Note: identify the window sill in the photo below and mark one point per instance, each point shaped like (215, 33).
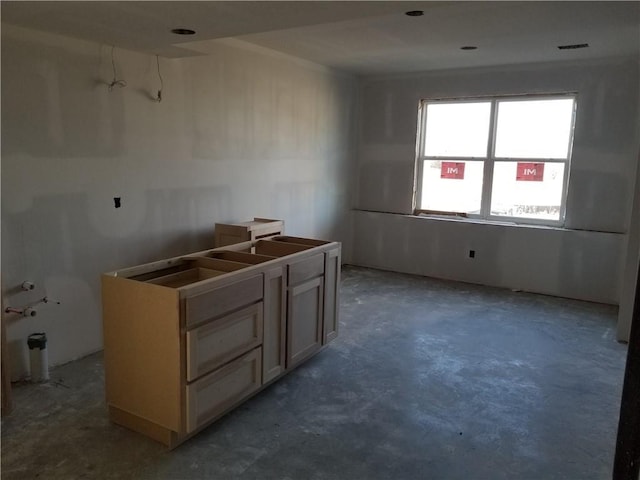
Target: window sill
(498, 223)
(491, 222)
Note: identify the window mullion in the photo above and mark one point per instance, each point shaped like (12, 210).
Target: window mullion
(487, 178)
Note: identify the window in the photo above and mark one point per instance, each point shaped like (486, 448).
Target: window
(501, 158)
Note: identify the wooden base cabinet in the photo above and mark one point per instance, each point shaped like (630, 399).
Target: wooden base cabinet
(189, 338)
(230, 233)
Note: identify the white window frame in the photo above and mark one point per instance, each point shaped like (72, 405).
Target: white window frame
(491, 159)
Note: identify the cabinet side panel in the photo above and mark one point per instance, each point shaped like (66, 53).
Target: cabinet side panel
(142, 350)
(229, 234)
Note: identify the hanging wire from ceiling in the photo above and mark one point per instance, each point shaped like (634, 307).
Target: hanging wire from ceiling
(115, 82)
(159, 96)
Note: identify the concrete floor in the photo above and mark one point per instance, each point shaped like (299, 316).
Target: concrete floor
(428, 379)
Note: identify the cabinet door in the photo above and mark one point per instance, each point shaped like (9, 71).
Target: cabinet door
(304, 322)
(273, 347)
(331, 295)
(229, 234)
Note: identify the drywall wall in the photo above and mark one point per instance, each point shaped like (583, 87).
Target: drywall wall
(584, 260)
(531, 259)
(238, 134)
(630, 272)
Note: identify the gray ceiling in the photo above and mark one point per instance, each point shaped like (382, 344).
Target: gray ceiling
(363, 37)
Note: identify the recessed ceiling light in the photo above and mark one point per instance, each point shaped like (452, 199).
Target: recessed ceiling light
(468, 47)
(573, 47)
(415, 13)
(183, 31)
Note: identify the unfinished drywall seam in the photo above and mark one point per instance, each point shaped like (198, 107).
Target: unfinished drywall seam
(94, 180)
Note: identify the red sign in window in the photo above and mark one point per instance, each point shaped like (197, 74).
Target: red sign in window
(530, 172)
(452, 170)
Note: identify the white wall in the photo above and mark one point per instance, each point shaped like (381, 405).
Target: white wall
(583, 261)
(630, 272)
(237, 135)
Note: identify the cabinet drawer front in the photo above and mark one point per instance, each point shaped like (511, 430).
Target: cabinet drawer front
(223, 299)
(306, 269)
(216, 393)
(215, 343)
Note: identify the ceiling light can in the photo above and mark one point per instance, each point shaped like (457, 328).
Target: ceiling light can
(183, 31)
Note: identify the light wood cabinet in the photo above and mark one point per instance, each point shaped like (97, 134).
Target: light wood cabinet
(231, 233)
(189, 338)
